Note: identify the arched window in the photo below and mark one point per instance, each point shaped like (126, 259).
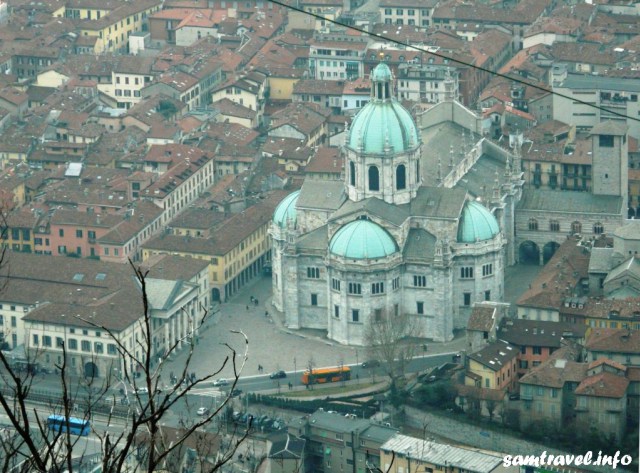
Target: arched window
(533, 224)
(352, 173)
(374, 178)
(576, 227)
(554, 225)
(401, 177)
(598, 228)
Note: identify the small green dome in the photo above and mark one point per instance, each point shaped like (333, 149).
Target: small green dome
(362, 239)
(381, 73)
(476, 223)
(379, 124)
(286, 210)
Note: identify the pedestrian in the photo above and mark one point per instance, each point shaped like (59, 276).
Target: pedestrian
(255, 301)
(247, 308)
(266, 313)
(252, 299)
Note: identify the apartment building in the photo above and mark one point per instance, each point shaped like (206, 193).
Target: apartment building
(619, 345)
(548, 392)
(601, 399)
(426, 83)
(123, 242)
(189, 172)
(615, 94)
(90, 306)
(236, 250)
(407, 12)
(402, 453)
(335, 442)
(337, 60)
(192, 86)
(306, 122)
(110, 24)
(248, 90)
(130, 75)
(537, 340)
(493, 367)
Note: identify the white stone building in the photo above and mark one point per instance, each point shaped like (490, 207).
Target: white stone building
(380, 242)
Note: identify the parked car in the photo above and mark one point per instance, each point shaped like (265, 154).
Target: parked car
(514, 396)
(371, 364)
(221, 382)
(278, 374)
(235, 392)
(203, 411)
(142, 390)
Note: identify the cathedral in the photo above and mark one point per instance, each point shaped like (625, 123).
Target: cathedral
(396, 235)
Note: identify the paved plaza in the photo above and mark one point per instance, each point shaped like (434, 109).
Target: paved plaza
(274, 347)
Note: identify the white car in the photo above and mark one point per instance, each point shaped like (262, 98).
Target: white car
(142, 391)
(221, 382)
(203, 411)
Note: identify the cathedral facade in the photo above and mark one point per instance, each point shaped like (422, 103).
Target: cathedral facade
(381, 242)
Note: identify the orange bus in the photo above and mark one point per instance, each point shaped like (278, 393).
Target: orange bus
(326, 375)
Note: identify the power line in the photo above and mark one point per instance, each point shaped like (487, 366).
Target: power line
(458, 61)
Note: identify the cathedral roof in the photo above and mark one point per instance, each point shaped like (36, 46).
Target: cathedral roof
(286, 210)
(420, 245)
(395, 214)
(546, 200)
(383, 125)
(362, 239)
(476, 223)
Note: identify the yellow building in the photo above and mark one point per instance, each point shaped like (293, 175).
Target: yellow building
(20, 231)
(237, 249)
(281, 83)
(407, 454)
(111, 26)
(493, 367)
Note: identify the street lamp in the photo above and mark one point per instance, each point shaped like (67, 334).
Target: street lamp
(295, 369)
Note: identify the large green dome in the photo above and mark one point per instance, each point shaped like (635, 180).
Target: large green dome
(379, 124)
(476, 223)
(286, 210)
(362, 239)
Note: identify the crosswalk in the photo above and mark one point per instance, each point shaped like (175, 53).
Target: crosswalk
(208, 392)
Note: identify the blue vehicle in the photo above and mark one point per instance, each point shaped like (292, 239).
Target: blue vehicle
(57, 423)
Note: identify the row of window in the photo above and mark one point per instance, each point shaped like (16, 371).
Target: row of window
(79, 233)
(355, 288)
(374, 176)
(576, 227)
(400, 11)
(400, 21)
(466, 272)
(72, 344)
(377, 313)
(127, 93)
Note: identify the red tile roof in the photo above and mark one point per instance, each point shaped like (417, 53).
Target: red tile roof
(603, 384)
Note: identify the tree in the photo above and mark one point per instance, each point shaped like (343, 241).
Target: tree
(387, 339)
(145, 444)
(311, 364)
